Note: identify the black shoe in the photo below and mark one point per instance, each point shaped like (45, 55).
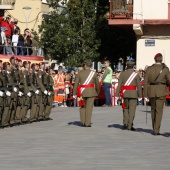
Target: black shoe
(12, 125)
(156, 134)
(132, 129)
(18, 124)
(124, 127)
(47, 119)
(83, 125)
(88, 126)
(7, 126)
(28, 122)
(39, 120)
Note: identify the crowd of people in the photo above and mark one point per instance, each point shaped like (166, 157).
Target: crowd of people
(12, 42)
(26, 92)
(64, 80)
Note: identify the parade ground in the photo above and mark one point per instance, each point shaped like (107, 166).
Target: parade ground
(62, 144)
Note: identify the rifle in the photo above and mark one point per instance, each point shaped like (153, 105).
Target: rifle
(6, 104)
(34, 82)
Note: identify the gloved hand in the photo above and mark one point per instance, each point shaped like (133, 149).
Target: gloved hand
(146, 99)
(20, 94)
(45, 92)
(75, 96)
(8, 93)
(49, 93)
(1, 94)
(15, 89)
(29, 94)
(139, 99)
(37, 92)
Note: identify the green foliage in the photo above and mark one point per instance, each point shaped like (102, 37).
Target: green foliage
(69, 34)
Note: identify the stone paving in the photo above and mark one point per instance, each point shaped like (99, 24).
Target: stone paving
(62, 144)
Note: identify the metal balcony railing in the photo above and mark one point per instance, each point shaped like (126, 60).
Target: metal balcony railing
(121, 9)
(19, 50)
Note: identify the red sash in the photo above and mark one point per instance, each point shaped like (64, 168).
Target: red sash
(123, 90)
(79, 94)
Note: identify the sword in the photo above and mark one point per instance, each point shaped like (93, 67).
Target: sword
(146, 113)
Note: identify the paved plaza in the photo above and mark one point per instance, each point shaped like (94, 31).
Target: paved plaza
(62, 144)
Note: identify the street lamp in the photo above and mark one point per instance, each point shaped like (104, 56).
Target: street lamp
(27, 17)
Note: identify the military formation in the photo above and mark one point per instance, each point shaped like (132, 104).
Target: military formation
(26, 92)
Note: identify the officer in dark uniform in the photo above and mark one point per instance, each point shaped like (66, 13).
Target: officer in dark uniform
(130, 88)
(155, 89)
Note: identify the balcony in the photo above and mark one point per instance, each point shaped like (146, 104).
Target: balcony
(7, 4)
(120, 9)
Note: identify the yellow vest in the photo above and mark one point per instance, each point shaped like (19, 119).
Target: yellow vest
(108, 78)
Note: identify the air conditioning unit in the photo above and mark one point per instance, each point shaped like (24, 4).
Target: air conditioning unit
(138, 29)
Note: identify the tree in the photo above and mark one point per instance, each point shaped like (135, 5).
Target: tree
(69, 33)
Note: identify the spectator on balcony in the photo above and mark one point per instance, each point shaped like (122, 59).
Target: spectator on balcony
(6, 22)
(21, 45)
(8, 47)
(15, 39)
(27, 41)
(35, 45)
(2, 40)
(15, 22)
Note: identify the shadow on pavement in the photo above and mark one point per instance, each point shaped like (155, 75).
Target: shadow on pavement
(75, 123)
(150, 131)
(146, 111)
(166, 134)
(118, 126)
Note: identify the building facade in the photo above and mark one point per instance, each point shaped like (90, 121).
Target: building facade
(150, 20)
(29, 13)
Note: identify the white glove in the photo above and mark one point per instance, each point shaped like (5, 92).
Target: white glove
(1, 94)
(20, 94)
(15, 89)
(74, 96)
(146, 99)
(139, 99)
(8, 93)
(49, 93)
(29, 94)
(45, 92)
(37, 92)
